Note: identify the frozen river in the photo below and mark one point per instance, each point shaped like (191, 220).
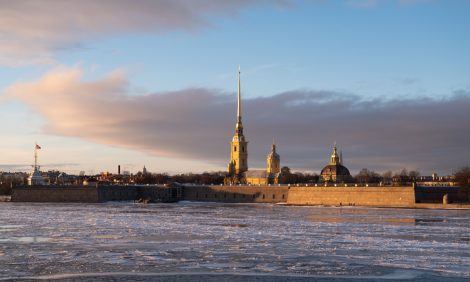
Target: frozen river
(214, 242)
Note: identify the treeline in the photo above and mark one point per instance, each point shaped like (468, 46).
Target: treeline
(11, 180)
(365, 176)
(403, 176)
(216, 178)
(462, 176)
(205, 178)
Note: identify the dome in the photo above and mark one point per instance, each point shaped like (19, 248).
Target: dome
(336, 169)
(273, 156)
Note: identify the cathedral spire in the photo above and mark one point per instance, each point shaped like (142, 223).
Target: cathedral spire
(239, 110)
(239, 126)
(239, 152)
(334, 157)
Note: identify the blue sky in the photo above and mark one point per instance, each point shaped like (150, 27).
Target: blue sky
(377, 51)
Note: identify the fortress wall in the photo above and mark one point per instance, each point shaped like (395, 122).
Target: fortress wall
(65, 194)
(118, 193)
(352, 196)
(336, 196)
(236, 194)
(435, 194)
(160, 194)
(56, 194)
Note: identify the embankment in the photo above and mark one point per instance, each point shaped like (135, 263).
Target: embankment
(352, 196)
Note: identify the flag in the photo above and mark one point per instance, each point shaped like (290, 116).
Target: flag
(38, 147)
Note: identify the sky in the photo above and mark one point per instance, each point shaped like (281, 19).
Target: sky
(137, 83)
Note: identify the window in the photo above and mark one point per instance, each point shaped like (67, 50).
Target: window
(274, 196)
(234, 148)
(263, 196)
(243, 149)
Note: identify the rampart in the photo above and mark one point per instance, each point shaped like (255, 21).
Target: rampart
(433, 194)
(98, 194)
(353, 196)
(410, 197)
(236, 194)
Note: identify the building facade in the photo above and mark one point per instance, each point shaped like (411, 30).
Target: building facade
(269, 176)
(335, 171)
(239, 146)
(238, 172)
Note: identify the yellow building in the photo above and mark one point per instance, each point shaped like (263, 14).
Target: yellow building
(335, 171)
(239, 146)
(273, 161)
(269, 176)
(238, 166)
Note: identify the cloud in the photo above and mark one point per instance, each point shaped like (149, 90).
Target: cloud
(363, 3)
(197, 123)
(31, 31)
(413, 2)
(374, 3)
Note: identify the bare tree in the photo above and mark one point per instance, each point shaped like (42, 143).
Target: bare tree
(367, 176)
(462, 176)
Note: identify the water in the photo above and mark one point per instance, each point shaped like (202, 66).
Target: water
(215, 241)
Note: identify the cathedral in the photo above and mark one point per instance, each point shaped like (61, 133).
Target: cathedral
(335, 172)
(238, 172)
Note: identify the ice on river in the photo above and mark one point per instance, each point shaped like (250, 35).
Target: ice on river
(118, 239)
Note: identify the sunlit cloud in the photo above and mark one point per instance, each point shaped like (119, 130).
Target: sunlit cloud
(374, 3)
(31, 32)
(197, 123)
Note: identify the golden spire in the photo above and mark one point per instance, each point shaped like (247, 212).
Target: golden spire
(239, 112)
(334, 156)
(239, 126)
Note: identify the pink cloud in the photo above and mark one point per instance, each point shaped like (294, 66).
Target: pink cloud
(31, 31)
(198, 123)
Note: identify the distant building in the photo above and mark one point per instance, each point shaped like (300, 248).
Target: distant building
(238, 166)
(269, 176)
(36, 178)
(335, 171)
(239, 146)
(436, 181)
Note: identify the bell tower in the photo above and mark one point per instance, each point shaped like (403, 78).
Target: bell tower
(239, 146)
(273, 161)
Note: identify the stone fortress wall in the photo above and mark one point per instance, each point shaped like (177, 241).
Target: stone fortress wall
(353, 196)
(236, 194)
(292, 195)
(83, 194)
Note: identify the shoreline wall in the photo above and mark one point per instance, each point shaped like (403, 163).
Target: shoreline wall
(236, 194)
(84, 194)
(353, 196)
(292, 195)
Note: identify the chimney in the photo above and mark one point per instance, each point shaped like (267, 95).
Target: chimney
(119, 169)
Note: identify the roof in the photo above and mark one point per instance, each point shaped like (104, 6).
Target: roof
(273, 155)
(260, 173)
(335, 169)
(256, 173)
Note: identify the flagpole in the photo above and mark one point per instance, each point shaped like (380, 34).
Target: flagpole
(35, 157)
